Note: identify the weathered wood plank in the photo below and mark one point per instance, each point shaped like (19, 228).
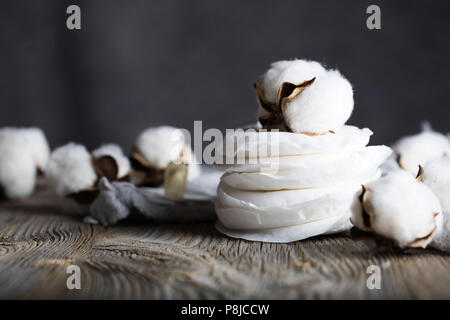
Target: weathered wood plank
(40, 237)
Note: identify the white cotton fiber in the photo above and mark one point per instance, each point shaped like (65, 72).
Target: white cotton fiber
(31, 141)
(161, 145)
(70, 169)
(22, 152)
(164, 144)
(116, 153)
(441, 240)
(390, 164)
(416, 150)
(400, 208)
(436, 175)
(17, 172)
(324, 105)
(294, 71)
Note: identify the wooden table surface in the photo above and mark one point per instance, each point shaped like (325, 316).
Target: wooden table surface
(42, 236)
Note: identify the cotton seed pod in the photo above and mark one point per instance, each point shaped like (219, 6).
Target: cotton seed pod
(155, 149)
(73, 172)
(324, 105)
(293, 71)
(436, 175)
(309, 99)
(116, 166)
(17, 173)
(268, 86)
(398, 211)
(70, 170)
(24, 152)
(416, 150)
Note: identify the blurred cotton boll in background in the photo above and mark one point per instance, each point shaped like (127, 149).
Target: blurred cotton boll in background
(24, 153)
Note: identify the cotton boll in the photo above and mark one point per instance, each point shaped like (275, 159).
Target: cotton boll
(17, 172)
(390, 164)
(416, 150)
(39, 147)
(114, 151)
(441, 240)
(31, 141)
(270, 86)
(293, 71)
(400, 209)
(156, 148)
(161, 145)
(324, 105)
(22, 152)
(70, 170)
(302, 97)
(436, 175)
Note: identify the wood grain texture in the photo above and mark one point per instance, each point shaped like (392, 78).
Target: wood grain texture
(43, 235)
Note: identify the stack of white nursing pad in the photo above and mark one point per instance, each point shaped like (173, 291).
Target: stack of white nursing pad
(305, 189)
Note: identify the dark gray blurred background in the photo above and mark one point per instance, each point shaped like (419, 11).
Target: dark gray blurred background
(136, 64)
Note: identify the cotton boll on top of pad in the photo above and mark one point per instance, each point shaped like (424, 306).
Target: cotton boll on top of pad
(23, 152)
(302, 96)
(293, 71)
(323, 106)
(398, 210)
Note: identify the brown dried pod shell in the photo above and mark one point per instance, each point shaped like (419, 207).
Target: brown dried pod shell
(419, 175)
(274, 119)
(104, 166)
(147, 175)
